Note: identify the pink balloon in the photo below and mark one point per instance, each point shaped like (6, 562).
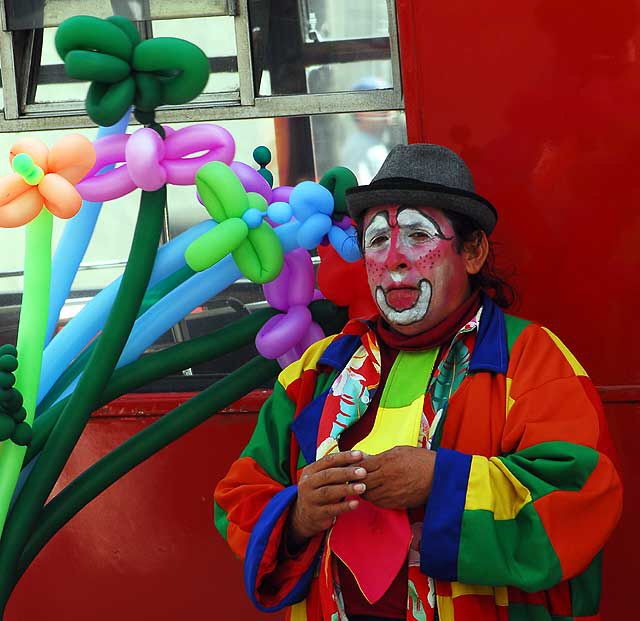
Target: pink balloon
(114, 183)
(282, 332)
(281, 194)
(148, 161)
(252, 180)
(144, 153)
(215, 140)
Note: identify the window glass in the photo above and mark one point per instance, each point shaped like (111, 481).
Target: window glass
(52, 82)
(215, 36)
(338, 41)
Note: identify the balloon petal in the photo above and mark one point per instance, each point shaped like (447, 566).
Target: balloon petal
(221, 191)
(216, 140)
(60, 197)
(216, 244)
(33, 147)
(12, 186)
(21, 209)
(72, 157)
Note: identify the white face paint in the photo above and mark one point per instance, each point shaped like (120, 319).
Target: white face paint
(415, 273)
(409, 315)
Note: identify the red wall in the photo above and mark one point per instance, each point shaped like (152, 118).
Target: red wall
(540, 97)
(146, 549)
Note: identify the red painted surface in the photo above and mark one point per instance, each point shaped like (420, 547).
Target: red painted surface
(541, 100)
(146, 548)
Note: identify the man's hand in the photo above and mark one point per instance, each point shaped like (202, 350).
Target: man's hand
(399, 478)
(322, 490)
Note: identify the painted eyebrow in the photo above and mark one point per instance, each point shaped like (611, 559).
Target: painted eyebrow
(420, 218)
(376, 226)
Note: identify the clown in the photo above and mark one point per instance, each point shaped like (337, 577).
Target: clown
(439, 460)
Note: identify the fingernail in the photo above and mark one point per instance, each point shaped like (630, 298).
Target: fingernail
(353, 504)
(356, 454)
(360, 472)
(359, 487)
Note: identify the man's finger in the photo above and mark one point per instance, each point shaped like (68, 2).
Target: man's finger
(339, 508)
(334, 476)
(335, 460)
(332, 494)
(371, 463)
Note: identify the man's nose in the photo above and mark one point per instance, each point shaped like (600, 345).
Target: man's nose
(396, 259)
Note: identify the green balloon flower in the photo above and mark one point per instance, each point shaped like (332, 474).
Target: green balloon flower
(125, 71)
(240, 230)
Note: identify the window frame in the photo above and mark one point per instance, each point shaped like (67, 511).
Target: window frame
(18, 116)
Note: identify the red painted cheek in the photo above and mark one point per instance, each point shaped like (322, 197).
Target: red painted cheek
(375, 269)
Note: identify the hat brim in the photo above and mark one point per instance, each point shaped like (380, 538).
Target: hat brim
(474, 206)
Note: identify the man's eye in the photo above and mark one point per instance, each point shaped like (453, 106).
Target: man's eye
(377, 241)
(420, 236)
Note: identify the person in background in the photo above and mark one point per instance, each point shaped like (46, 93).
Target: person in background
(368, 144)
(440, 460)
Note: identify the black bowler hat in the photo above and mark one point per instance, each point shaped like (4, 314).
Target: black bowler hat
(427, 175)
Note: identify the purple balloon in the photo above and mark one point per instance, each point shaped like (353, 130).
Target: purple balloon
(302, 279)
(281, 194)
(252, 180)
(314, 333)
(282, 332)
(276, 292)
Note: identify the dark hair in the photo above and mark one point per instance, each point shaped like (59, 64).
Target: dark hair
(489, 278)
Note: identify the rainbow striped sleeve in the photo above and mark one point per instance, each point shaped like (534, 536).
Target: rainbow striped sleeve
(251, 502)
(539, 513)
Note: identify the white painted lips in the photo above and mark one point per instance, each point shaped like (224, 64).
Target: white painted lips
(408, 315)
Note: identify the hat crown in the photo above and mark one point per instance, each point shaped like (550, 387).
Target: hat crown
(428, 163)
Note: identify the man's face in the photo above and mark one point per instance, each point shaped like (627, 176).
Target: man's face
(416, 276)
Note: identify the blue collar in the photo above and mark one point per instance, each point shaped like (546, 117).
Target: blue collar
(490, 352)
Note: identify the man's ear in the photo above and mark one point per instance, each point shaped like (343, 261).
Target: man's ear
(475, 252)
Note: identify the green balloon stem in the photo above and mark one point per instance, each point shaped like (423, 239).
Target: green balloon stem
(160, 364)
(141, 446)
(161, 433)
(78, 409)
(31, 337)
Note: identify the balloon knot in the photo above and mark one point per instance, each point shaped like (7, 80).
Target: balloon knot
(24, 165)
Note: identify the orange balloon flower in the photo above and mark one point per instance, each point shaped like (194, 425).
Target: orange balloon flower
(46, 178)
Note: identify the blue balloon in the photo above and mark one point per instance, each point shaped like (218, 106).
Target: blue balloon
(313, 230)
(74, 242)
(345, 243)
(279, 212)
(72, 339)
(187, 296)
(309, 198)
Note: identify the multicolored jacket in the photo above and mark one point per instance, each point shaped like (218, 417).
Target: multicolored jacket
(523, 496)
